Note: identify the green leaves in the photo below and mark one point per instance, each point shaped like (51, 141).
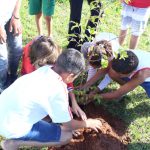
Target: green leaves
(104, 63)
(122, 52)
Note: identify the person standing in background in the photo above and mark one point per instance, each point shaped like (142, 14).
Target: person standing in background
(135, 13)
(10, 41)
(45, 7)
(75, 17)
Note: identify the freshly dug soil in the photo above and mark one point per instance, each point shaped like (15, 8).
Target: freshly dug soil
(113, 135)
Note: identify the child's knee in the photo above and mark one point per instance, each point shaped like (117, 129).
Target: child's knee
(48, 18)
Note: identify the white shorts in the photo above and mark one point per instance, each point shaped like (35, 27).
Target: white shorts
(134, 17)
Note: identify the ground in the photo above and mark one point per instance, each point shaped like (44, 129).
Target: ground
(113, 134)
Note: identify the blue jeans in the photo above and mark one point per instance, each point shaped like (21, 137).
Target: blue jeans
(10, 54)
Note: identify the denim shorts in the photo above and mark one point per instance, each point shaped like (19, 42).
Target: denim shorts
(43, 131)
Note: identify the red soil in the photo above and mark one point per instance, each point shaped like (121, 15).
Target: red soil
(113, 135)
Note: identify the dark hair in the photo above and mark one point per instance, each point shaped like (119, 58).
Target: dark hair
(101, 48)
(125, 65)
(43, 51)
(70, 61)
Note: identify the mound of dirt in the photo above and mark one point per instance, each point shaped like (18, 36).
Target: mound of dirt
(113, 134)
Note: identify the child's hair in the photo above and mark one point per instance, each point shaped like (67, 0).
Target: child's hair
(125, 65)
(43, 51)
(97, 51)
(70, 61)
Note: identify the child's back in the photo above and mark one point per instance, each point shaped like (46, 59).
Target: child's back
(144, 62)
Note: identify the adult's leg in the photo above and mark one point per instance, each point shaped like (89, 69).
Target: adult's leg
(14, 46)
(75, 17)
(94, 20)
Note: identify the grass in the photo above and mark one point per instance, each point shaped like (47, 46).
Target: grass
(135, 108)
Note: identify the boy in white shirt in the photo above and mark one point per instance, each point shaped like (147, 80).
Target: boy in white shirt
(36, 95)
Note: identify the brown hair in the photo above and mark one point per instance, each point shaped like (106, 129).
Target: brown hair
(44, 51)
(97, 51)
(105, 47)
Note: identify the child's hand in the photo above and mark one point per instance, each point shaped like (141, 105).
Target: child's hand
(78, 111)
(93, 124)
(79, 87)
(93, 93)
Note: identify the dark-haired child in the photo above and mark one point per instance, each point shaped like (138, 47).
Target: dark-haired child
(129, 72)
(43, 51)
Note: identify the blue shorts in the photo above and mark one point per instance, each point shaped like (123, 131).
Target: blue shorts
(43, 131)
(144, 85)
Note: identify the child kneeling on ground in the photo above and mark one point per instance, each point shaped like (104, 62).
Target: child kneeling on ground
(129, 72)
(44, 51)
(36, 95)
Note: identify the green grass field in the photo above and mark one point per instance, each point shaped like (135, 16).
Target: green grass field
(135, 109)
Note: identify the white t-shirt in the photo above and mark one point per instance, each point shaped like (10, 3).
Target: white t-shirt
(29, 99)
(6, 10)
(144, 62)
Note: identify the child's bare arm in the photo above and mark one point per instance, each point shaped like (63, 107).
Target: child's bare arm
(124, 89)
(75, 107)
(89, 123)
(100, 73)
